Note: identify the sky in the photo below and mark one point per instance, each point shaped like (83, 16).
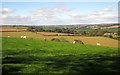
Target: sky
(58, 13)
(59, 0)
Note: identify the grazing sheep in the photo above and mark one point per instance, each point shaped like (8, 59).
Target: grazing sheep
(74, 42)
(24, 37)
(8, 36)
(21, 36)
(98, 44)
(44, 39)
(78, 41)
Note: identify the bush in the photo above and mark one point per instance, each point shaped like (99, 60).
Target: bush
(59, 40)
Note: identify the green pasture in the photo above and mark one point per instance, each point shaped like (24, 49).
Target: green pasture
(87, 40)
(37, 57)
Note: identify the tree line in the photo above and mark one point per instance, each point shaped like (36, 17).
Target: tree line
(81, 31)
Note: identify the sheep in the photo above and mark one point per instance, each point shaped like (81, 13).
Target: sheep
(8, 36)
(24, 37)
(78, 41)
(98, 44)
(74, 42)
(21, 36)
(44, 39)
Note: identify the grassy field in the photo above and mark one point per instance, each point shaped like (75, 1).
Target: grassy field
(87, 40)
(34, 56)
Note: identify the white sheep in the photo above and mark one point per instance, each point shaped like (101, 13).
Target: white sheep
(24, 37)
(44, 39)
(8, 36)
(98, 44)
(74, 42)
(21, 36)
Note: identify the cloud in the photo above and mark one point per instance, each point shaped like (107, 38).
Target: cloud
(108, 9)
(8, 17)
(38, 16)
(6, 11)
(107, 15)
(45, 12)
(59, 15)
(49, 15)
(18, 19)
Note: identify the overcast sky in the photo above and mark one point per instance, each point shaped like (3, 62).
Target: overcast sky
(58, 13)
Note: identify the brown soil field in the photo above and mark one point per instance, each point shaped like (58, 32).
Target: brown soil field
(50, 33)
(12, 29)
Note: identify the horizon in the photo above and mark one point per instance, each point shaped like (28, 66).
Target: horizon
(58, 13)
(59, 24)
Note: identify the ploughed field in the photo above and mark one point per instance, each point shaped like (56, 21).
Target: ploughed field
(35, 56)
(87, 40)
(13, 29)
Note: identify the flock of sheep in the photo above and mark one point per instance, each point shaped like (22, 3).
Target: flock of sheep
(75, 41)
(23, 37)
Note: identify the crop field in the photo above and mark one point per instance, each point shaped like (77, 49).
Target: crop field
(50, 33)
(18, 34)
(35, 56)
(87, 40)
(11, 29)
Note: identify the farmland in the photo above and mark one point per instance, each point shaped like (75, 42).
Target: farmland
(13, 29)
(28, 56)
(59, 37)
(34, 55)
(87, 40)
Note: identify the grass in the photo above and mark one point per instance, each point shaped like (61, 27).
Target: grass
(30, 56)
(112, 29)
(87, 40)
